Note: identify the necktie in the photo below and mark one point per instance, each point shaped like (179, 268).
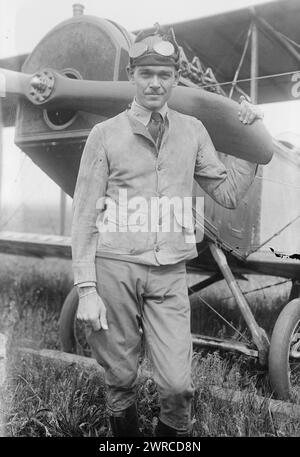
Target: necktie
(156, 127)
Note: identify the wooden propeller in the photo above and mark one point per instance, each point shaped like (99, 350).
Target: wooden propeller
(48, 89)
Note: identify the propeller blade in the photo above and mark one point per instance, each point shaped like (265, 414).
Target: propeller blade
(106, 98)
(48, 89)
(219, 114)
(13, 82)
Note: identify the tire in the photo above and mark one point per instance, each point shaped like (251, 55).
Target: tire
(284, 371)
(67, 318)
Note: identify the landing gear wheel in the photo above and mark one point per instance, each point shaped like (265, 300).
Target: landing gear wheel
(67, 332)
(284, 354)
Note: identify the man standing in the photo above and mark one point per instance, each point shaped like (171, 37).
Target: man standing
(131, 280)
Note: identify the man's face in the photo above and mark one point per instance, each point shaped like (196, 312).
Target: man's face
(153, 84)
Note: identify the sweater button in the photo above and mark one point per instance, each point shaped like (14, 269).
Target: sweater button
(159, 167)
(157, 248)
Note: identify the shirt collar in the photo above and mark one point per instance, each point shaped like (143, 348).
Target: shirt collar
(143, 114)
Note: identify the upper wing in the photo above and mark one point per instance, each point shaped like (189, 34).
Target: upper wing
(219, 41)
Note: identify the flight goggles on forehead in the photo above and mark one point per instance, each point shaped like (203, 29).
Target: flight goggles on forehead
(162, 48)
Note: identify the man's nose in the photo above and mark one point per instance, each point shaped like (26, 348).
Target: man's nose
(155, 82)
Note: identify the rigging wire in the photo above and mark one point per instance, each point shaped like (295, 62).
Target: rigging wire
(258, 289)
(22, 205)
(17, 177)
(228, 54)
(244, 293)
(277, 181)
(223, 318)
(274, 235)
(241, 60)
(9, 218)
(13, 184)
(288, 39)
(275, 75)
(3, 223)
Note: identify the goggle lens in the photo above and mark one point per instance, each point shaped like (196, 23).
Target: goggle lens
(163, 48)
(137, 50)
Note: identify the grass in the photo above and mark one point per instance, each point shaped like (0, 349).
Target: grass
(40, 400)
(56, 403)
(44, 401)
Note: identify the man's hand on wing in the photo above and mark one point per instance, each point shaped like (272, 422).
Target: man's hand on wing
(91, 309)
(248, 112)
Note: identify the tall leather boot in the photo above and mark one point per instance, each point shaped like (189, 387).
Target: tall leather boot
(127, 424)
(165, 430)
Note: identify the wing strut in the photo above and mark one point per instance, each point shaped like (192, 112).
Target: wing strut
(259, 335)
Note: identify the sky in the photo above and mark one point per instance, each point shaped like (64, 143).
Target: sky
(23, 23)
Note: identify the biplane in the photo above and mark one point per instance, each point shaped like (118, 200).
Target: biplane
(76, 77)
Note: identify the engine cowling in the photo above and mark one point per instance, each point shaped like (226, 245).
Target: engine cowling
(83, 47)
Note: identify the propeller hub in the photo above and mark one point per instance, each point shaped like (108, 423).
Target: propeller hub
(41, 86)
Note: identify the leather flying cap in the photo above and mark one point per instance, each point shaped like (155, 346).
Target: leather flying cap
(155, 48)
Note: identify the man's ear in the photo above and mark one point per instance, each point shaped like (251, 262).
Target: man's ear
(130, 73)
(177, 76)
